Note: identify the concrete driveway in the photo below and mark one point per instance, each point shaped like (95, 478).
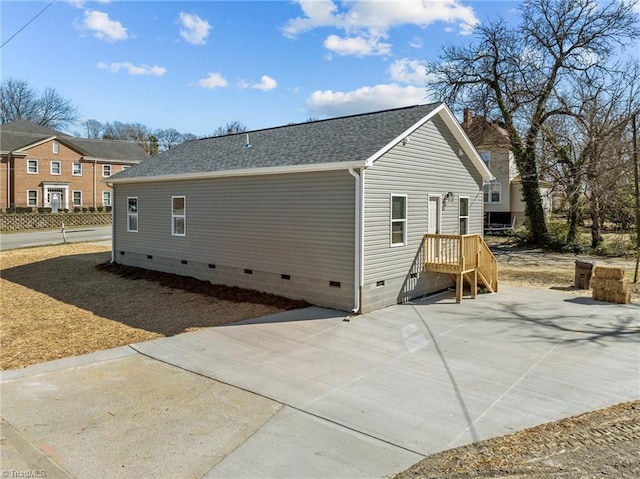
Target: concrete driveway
(307, 394)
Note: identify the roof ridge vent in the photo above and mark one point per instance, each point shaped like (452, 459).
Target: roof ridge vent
(247, 144)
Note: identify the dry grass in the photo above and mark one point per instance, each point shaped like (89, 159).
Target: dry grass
(56, 303)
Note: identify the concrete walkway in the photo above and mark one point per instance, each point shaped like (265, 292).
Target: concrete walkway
(307, 394)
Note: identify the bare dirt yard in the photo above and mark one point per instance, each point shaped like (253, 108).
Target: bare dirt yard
(58, 302)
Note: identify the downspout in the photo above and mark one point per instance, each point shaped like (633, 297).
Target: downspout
(9, 180)
(357, 270)
(113, 223)
(95, 166)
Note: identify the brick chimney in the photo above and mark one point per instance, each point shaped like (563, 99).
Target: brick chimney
(467, 117)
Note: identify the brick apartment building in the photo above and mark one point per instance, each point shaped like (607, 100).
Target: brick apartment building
(41, 167)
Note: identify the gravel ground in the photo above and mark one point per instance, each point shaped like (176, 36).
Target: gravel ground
(599, 444)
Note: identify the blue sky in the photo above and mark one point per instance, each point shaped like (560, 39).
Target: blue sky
(195, 66)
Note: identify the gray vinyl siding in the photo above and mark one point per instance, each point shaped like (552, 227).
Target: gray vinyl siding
(428, 164)
(300, 225)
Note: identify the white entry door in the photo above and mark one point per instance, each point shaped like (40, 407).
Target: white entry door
(434, 215)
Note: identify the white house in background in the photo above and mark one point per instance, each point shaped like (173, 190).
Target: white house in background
(503, 203)
(333, 212)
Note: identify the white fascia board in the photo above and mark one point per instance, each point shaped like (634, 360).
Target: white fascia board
(275, 170)
(452, 122)
(38, 143)
(91, 159)
(459, 134)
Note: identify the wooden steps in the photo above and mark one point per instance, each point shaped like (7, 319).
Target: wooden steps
(466, 258)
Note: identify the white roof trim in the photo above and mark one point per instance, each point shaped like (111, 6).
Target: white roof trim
(455, 128)
(96, 159)
(274, 170)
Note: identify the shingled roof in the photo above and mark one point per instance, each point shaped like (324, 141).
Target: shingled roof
(338, 140)
(21, 134)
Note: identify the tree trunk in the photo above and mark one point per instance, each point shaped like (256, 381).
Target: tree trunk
(596, 236)
(574, 199)
(526, 162)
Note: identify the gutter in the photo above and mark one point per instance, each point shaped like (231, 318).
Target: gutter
(359, 220)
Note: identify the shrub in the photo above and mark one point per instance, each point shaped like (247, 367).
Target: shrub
(107, 209)
(48, 210)
(66, 210)
(100, 208)
(92, 209)
(77, 209)
(84, 210)
(11, 211)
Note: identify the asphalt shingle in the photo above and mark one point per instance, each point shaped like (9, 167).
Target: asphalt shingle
(344, 139)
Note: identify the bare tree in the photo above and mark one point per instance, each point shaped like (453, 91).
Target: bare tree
(168, 138)
(20, 101)
(591, 144)
(230, 128)
(94, 128)
(513, 75)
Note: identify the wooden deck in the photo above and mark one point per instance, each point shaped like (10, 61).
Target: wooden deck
(465, 258)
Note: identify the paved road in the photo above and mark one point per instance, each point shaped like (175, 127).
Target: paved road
(49, 237)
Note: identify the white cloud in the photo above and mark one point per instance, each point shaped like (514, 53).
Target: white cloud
(379, 97)
(266, 83)
(408, 71)
(213, 80)
(103, 27)
(368, 21)
(416, 42)
(194, 29)
(132, 69)
(358, 46)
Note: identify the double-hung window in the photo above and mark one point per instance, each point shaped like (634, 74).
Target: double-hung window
(32, 198)
(106, 198)
(178, 215)
(32, 167)
(464, 215)
(77, 169)
(132, 214)
(398, 220)
(55, 147)
(56, 168)
(77, 198)
(106, 170)
(493, 192)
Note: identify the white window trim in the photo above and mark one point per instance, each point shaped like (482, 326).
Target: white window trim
(108, 193)
(488, 192)
(183, 216)
(110, 171)
(73, 168)
(28, 199)
(73, 198)
(392, 221)
(467, 216)
(59, 167)
(130, 214)
(55, 147)
(37, 167)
